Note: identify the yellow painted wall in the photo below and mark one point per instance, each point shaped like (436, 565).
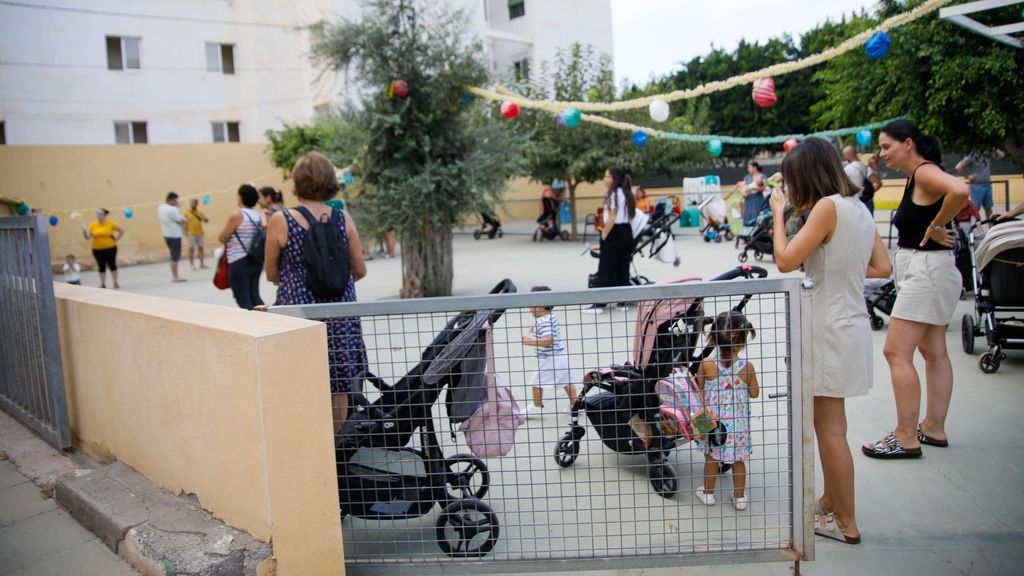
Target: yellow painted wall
(227, 404)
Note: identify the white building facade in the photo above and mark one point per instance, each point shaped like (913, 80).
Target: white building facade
(106, 72)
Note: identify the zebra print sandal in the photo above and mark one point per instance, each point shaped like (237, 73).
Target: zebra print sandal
(890, 448)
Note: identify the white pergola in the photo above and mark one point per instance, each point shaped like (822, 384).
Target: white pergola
(960, 15)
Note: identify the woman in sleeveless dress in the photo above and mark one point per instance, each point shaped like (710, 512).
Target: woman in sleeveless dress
(315, 183)
(838, 246)
(928, 289)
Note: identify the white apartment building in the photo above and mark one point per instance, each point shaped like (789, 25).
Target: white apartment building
(98, 72)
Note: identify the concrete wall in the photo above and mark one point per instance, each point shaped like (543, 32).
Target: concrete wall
(230, 405)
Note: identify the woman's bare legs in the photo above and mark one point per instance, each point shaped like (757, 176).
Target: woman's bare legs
(904, 337)
(939, 378)
(836, 462)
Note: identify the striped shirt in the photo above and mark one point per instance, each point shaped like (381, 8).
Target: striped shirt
(246, 231)
(544, 327)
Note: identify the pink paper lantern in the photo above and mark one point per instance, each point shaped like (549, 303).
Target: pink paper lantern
(790, 144)
(764, 92)
(509, 109)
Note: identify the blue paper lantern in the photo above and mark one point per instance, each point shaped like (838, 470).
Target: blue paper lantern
(346, 179)
(864, 137)
(715, 147)
(572, 117)
(53, 220)
(877, 46)
(206, 199)
(128, 213)
(640, 138)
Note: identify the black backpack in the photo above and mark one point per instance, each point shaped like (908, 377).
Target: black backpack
(325, 253)
(259, 241)
(868, 192)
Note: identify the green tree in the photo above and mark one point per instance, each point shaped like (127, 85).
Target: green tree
(966, 89)
(431, 158)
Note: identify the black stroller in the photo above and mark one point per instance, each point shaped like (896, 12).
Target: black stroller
(879, 296)
(491, 227)
(653, 240)
(998, 273)
(548, 225)
(381, 477)
(759, 238)
(667, 336)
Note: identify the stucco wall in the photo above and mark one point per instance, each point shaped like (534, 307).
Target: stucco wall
(230, 405)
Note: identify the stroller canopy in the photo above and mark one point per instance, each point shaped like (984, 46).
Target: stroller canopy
(998, 240)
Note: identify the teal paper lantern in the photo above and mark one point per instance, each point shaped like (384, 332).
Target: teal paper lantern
(572, 116)
(715, 147)
(206, 199)
(22, 209)
(864, 137)
(640, 138)
(346, 179)
(128, 213)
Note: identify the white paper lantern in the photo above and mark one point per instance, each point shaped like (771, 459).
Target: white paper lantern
(659, 110)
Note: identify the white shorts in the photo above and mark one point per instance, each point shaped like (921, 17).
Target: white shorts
(195, 241)
(928, 286)
(553, 372)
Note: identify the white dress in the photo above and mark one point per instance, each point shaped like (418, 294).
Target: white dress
(840, 329)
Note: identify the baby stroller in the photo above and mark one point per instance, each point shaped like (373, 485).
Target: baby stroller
(656, 237)
(548, 226)
(759, 239)
(667, 337)
(998, 273)
(879, 296)
(716, 225)
(491, 227)
(381, 477)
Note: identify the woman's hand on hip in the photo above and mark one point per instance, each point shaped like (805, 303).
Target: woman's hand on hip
(944, 237)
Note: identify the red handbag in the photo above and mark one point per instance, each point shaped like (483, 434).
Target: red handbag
(220, 278)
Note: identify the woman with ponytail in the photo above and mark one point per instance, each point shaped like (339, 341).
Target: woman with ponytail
(617, 235)
(928, 285)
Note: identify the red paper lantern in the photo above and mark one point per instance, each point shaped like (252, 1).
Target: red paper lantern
(764, 92)
(509, 109)
(790, 144)
(399, 88)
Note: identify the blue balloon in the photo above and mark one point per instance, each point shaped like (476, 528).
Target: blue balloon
(877, 46)
(715, 147)
(572, 117)
(639, 137)
(346, 179)
(128, 213)
(206, 199)
(53, 220)
(864, 137)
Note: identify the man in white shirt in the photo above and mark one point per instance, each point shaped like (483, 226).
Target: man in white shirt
(172, 225)
(858, 173)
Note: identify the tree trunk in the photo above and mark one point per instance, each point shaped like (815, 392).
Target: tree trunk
(1015, 149)
(427, 263)
(571, 183)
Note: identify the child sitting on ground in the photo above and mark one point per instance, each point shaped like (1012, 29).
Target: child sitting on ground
(72, 270)
(728, 383)
(553, 369)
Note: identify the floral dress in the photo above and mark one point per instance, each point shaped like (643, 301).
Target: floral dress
(728, 399)
(346, 350)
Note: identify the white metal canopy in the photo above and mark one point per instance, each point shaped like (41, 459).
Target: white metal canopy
(960, 15)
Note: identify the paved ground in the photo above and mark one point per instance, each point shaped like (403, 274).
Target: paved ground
(955, 511)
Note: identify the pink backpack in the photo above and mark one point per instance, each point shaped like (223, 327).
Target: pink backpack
(682, 408)
(491, 430)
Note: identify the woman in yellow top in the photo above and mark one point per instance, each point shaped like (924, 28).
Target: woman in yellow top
(104, 235)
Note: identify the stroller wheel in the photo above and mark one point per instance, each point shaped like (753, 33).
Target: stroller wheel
(729, 236)
(742, 256)
(877, 323)
(566, 451)
(467, 528)
(466, 476)
(476, 234)
(677, 262)
(758, 255)
(564, 234)
(537, 235)
(989, 362)
(500, 234)
(663, 480)
(967, 331)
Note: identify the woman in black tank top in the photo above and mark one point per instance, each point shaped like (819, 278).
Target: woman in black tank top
(929, 287)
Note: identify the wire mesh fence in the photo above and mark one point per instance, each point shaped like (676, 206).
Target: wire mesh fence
(623, 414)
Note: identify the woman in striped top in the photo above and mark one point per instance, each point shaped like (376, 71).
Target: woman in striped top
(553, 369)
(238, 236)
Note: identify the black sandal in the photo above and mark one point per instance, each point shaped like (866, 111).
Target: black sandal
(930, 441)
(890, 448)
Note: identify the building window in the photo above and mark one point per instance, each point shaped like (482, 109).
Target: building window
(225, 132)
(522, 70)
(220, 58)
(123, 53)
(516, 9)
(130, 133)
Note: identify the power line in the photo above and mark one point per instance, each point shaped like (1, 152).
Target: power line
(92, 12)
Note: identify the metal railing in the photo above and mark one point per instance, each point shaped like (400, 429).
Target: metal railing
(31, 373)
(416, 500)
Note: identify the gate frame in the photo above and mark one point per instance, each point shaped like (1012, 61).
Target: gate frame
(800, 388)
(54, 427)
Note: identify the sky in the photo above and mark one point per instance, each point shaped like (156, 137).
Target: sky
(651, 37)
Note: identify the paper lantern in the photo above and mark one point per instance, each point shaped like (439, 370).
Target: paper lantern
(76, 216)
(864, 137)
(346, 179)
(509, 109)
(715, 147)
(659, 110)
(572, 117)
(764, 92)
(398, 88)
(128, 213)
(640, 138)
(467, 98)
(877, 46)
(560, 119)
(22, 208)
(53, 220)
(790, 144)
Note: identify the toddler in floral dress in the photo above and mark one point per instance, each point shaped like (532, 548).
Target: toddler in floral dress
(728, 384)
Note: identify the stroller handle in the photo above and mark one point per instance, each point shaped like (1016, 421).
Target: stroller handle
(992, 221)
(745, 271)
(506, 286)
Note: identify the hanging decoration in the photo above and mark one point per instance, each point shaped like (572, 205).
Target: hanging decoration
(572, 117)
(23, 209)
(509, 109)
(763, 92)
(76, 216)
(53, 220)
(346, 178)
(864, 138)
(206, 199)
(399, 88)
(659, 110)
(640, 138)
(560, 119)
(877, 46)
(790, 144)
(128, 213)
(715, 147)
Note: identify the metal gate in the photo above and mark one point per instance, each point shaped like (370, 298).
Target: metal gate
(31, 373)
(584, 487)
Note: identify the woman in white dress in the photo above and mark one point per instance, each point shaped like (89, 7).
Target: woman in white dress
(839, 246)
